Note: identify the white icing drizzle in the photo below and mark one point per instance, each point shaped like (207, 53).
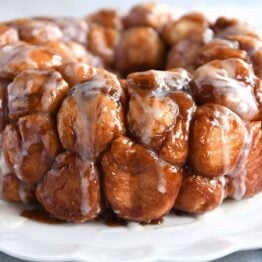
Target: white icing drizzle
(221, 121)
(162, 179)
(73, 28)
(84, 140)
(84, 184)
(1, 186)
(165, 81)
(85, 206)
(162, 182)
(152, 115)
(238, 29)
(237, 94)
(225, 128)
(91, 90)
(51, 86)
(238, 175)
(87, 173)
(208, 35)
(27, 139)
(72, 70)
(24, 149)
(21, 53)
(42, 31)
(152, 112)
(23, 194)
(4, 169)
(222, 181)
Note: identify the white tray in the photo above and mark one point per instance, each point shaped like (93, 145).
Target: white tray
(232, 227)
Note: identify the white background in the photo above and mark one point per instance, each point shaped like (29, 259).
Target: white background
(245, 9)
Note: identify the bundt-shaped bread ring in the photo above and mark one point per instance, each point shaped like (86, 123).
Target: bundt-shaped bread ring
(139, 113)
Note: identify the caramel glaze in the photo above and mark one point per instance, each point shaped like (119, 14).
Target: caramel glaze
(40, 215)
(109, 218)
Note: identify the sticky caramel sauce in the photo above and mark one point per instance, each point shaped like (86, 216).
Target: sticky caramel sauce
(109, 218)
(40, 215)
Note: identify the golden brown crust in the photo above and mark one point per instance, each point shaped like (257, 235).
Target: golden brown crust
(219, 50)
(138, 185)
(225, 27)
(160, 112)
(216, 140)
(199, 194)
(16, 191)
(36, 91)
(245, 181)
(38, 32)
(107, 18)
(91, 116)
(231, 83)
(155, 15)
(138, 49)
(101, 41)
(30, 146)
(70, 190)
(188, 26)
(76, 72)
(8, 35)
(175, 148)
(17, 57)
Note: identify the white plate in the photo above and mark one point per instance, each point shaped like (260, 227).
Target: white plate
(234, 226)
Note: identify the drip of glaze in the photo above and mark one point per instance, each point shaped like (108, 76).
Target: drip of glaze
(84, 185)
(207, 35)
(4, 169)
(25, 147)
(85, 207)
(162, 179)
(44, 30)
(152, 114)
(19, 53)
(238, 29)
(226, 84)
(238, 175)
(222, 181)
(221, 121)
(72, 28)
(82, 93)
(23, 194)
(224, 126)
